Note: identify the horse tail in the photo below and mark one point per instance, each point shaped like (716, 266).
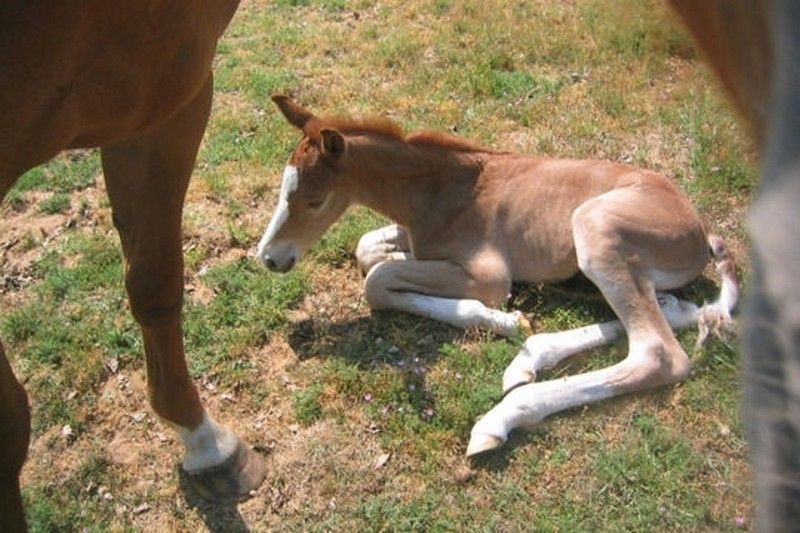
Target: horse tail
(714, 316)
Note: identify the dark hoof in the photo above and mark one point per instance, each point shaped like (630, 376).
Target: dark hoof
(233, 479)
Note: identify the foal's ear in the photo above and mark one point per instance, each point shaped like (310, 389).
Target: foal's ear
(332, 142)
(296, 114)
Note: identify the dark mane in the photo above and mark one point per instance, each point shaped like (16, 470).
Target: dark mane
(387, 127)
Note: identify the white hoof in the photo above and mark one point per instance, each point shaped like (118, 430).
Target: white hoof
(480, 443)
(510, 324)
(523, 324)
(515, 376)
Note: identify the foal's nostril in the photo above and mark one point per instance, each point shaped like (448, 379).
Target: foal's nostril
(271, 264)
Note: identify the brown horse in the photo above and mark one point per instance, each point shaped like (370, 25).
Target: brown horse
(472, 220)
(133, 78)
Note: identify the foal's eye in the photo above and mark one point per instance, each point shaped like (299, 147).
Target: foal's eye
(315, 204)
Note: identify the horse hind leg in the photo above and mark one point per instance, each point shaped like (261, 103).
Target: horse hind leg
(654, 355)
(15, 427)
(546, 350)
(147, 178)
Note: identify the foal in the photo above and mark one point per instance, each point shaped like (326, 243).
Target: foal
(471, 220)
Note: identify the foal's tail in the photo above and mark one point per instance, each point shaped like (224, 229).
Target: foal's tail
(714, 316)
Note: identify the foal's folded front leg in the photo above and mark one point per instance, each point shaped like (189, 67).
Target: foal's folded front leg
(389, 243)
(443, 291)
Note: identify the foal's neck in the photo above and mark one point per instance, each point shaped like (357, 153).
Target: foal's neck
(392, 176)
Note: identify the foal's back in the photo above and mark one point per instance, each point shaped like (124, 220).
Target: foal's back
(532, 200)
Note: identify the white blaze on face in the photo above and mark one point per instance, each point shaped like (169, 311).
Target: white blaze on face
(288, 186)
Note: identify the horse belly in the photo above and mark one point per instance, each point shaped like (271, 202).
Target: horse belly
(531, 262)
(540, 244)
(97, 74)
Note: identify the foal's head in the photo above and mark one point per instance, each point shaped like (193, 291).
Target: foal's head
(311, 196)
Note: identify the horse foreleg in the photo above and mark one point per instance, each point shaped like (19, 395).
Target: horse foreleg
(442, 291)
(147, 178)
(15, 427)
(389, 243)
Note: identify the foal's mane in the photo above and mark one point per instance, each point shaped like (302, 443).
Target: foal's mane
(388, 128)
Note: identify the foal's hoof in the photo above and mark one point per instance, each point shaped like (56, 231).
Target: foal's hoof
(514, 377)
(524, 325)
(233, 479)
(481, 443)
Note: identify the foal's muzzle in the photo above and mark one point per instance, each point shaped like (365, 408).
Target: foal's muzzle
(279, 256)
(277, 267)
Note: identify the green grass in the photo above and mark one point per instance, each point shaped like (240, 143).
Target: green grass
(248, 306)
(307, 407)
(78, 502)
(336, 246)
(590, 79)
(63, 174)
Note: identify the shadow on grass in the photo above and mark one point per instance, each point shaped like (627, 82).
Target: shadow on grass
(217, 516)
(370, 342)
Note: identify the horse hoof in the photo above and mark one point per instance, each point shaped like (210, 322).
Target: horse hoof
(233, 479)
(481, 443)
(515, 379)
(524, 325)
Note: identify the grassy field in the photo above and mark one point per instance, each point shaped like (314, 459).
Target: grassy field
(363, 419)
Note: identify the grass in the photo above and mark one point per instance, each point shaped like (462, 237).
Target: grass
(366, 416)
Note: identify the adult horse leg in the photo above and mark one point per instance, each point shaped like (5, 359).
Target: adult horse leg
(618, 253)
(147, 179)
(754, 49)
(15, 426)
(443, 291)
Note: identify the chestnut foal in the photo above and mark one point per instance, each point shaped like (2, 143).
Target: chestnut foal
(472, 220)
(133, 78)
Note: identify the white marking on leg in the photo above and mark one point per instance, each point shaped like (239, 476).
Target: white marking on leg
(207, 445)
(679, 313)
(545, 350)
(461, 313)
(289, 184)
(529, 404)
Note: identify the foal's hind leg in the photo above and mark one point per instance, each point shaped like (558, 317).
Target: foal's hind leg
(389, 243)
(545, 350)
(147, 179)
(628, 242)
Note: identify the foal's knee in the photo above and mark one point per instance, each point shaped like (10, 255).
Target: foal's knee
(379, 245)
(377, 285)
(366, 254)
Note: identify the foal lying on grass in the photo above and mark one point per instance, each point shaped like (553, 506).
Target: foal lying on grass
(471, 220)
